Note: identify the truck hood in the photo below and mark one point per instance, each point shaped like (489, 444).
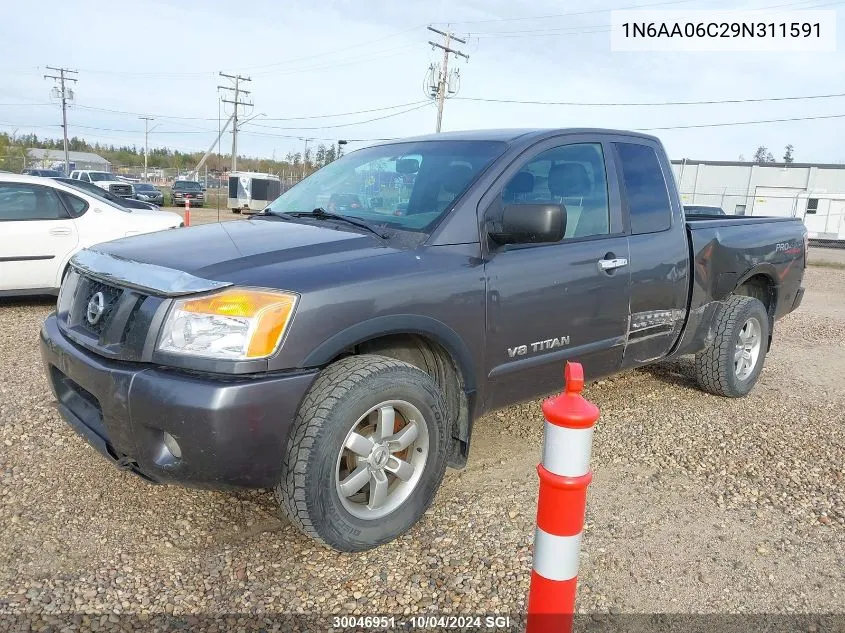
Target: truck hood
(218, 251)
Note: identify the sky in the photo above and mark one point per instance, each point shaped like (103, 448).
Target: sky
(310, 61)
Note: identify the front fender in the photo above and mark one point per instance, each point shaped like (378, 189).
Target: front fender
(396, 324)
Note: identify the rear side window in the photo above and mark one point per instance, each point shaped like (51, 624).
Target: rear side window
(645, 189)
(78, 206)
(29, 202)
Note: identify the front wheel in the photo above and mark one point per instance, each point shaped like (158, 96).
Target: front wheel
(731, 364)
(366, 454)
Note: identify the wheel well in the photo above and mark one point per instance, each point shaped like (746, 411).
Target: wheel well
(435, 360)
(762, 288)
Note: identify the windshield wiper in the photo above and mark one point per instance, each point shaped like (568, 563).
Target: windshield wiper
(322, 214)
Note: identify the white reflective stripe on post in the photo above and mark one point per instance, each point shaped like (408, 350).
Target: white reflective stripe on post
(566, 452)
(556, 557)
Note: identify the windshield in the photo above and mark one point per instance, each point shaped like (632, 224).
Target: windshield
(97, 176)
(187, 185)
(144, 187)
(406, 186)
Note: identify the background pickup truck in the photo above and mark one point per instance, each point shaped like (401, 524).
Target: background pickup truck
(104, 180)
(341, 359)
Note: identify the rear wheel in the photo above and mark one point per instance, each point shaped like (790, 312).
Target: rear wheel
(366, 454)
(732, 363)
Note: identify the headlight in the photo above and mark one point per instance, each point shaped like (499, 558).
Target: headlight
(236, 324)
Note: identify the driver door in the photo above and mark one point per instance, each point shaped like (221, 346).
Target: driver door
(568, 300)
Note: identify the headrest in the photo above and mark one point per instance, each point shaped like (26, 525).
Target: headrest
(522, 182)
(569, 180)
(456, 178)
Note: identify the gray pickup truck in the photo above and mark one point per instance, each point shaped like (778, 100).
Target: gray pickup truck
(341, 355)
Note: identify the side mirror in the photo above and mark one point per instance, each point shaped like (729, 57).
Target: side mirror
(530, 224)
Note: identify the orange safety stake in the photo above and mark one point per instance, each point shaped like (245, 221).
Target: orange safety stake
(187, 212)
(564, 477)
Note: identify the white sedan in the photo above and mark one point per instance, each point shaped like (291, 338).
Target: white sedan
(44, 222)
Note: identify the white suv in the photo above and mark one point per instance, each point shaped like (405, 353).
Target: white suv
(43, 223)
(105, 180)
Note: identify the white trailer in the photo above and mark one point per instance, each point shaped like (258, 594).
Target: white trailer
(251, 191)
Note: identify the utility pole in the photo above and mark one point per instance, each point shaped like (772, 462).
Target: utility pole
(146, 120)
(443, 79)
(236, 102)
(66, 94)
(304, 155)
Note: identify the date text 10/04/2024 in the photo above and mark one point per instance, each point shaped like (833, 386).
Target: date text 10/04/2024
(422, 622)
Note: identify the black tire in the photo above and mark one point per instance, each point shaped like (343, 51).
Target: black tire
(343, 393)
(714, 366)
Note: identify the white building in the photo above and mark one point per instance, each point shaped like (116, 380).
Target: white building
(815, 193)
(52, 158)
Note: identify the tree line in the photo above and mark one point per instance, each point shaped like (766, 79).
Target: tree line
(13, 156)
(762, 155)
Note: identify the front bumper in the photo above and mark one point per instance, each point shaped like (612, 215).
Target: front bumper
(232, 431)
(178, 200)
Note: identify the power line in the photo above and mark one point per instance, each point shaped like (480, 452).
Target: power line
(609, 9)
(335, 51)
(562, 15)
(260, 67)
(605, 28)
(292, 118)
(327, 127)
(733, 123)
(66, 93)
(362, 59)
(654, 103)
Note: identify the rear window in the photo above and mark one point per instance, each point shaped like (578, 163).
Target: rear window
(645, 188)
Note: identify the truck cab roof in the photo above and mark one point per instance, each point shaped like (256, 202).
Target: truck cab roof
(510, 135)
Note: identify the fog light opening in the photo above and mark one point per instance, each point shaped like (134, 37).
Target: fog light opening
(172, 445)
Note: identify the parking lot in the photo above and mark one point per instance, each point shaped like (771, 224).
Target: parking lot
(699, 504)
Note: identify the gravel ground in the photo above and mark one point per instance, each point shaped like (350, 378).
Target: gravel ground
(699, 505)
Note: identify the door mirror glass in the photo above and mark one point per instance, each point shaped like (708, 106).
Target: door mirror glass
(530, 224)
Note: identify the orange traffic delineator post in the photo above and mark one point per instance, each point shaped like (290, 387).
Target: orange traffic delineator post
(187, 212)
(564, 477)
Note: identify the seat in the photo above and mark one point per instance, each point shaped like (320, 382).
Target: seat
(456, 178)
(441, 190)
(571, 180)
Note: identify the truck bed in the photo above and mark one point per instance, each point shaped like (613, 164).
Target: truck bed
(729, 251)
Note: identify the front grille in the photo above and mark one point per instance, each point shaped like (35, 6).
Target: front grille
(94, 320)
(121, 190)
(120, 329)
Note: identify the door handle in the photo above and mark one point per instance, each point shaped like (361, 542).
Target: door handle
(60, 231)
(612, 264)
